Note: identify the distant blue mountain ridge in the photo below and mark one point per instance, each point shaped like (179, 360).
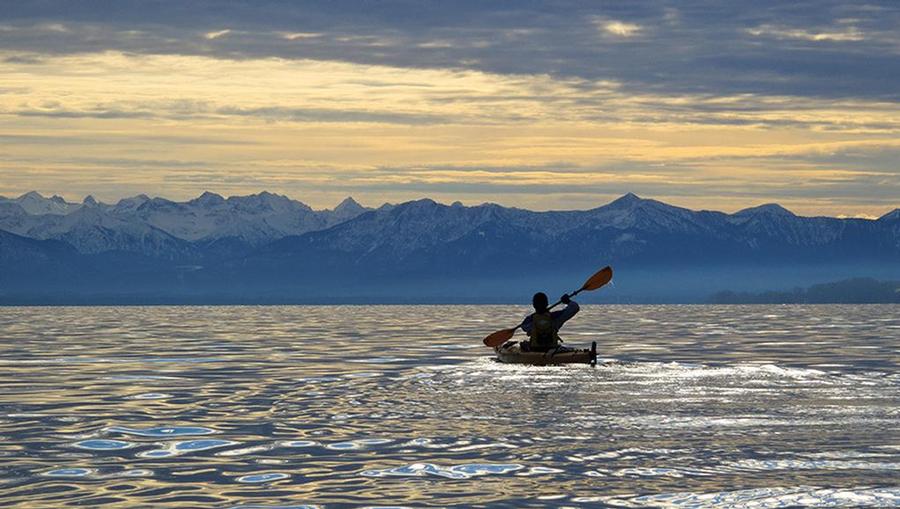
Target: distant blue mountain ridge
(269, 248)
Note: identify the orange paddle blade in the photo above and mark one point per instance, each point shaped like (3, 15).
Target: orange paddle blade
(599, 279)
(499, 337)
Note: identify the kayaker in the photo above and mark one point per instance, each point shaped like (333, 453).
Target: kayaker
(543, 326)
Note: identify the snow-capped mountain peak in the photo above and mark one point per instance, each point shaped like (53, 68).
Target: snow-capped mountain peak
(265, 202)
(631, 211)
(626, 200)
(36, 204)
(207, 199)
(422, 204)
(131, 203)
(630, 203)
(768, 209)
(349, 205)
(347, 209)
(160, 204)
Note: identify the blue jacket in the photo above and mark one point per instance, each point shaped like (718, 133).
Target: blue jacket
(559, 317)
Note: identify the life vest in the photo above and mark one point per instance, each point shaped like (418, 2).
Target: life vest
(543, 334)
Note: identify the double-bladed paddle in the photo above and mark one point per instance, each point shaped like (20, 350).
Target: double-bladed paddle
(594, 282)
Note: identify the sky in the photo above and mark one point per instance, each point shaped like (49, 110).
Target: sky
(534, 104)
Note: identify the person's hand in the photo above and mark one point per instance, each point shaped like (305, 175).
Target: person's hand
(565, 299)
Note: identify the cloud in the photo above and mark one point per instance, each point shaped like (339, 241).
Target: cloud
(847, 34)
(52, 27)
(619, 28)
(96, 113)
(335, 115)
(216, 34)
(271, 113)
(22, 59)
(693, 49)
(295, 36)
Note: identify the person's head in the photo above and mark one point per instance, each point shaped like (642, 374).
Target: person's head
(540, 302)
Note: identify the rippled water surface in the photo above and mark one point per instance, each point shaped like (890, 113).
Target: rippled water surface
(331, 407)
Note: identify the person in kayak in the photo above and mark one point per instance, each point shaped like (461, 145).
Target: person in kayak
(542, 326)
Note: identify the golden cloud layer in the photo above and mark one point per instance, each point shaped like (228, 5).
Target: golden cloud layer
(179, 124)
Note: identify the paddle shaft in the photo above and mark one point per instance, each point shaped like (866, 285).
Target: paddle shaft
(576, 292)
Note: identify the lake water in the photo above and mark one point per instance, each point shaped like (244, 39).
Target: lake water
(360, 406)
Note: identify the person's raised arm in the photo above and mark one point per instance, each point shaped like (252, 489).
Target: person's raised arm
(571, 309)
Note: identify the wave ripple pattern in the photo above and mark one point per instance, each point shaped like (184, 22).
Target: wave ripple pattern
(360, 406)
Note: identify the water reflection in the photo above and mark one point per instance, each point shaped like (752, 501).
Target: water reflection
(757, 406)
(103, 445)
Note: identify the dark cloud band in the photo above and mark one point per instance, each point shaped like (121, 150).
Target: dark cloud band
(822, 48)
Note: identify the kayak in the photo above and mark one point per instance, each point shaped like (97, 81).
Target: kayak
(511, 353)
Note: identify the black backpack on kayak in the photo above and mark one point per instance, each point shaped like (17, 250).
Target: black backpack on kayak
(543, 334)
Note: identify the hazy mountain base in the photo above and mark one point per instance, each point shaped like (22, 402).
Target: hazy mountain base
(848, 291)
(149, 282)
(630, 286)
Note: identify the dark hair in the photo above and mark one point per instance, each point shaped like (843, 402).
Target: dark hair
(540, 302)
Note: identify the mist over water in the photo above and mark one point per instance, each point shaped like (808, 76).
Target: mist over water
(359, 406)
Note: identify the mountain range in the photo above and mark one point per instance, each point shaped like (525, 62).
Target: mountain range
(270, 248)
